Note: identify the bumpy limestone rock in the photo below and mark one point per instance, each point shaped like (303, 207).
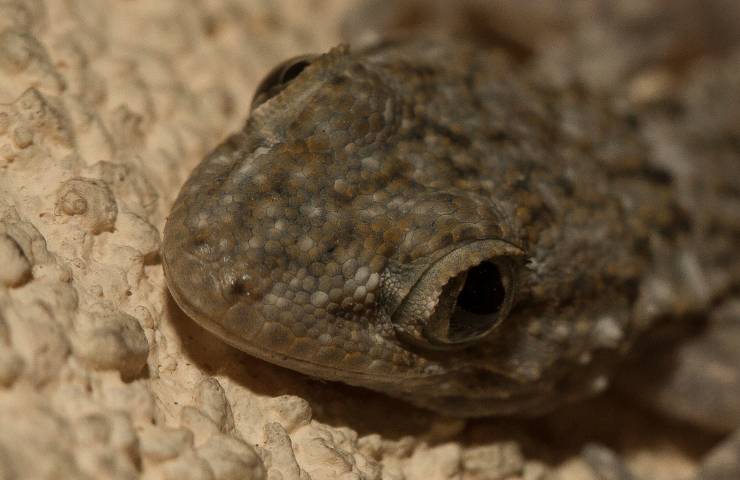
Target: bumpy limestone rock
(91, 201)
(211, 400)
(111, 341)
(16, 266)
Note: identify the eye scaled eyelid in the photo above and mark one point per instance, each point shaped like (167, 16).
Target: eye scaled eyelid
(279, 77)
(481, 305)
(291, 71)
(428, 318)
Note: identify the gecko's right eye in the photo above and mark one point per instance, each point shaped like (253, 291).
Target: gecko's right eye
(462, 297)
(481, 295)
(279, 77)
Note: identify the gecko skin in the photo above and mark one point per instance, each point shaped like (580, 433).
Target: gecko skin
(421, 219)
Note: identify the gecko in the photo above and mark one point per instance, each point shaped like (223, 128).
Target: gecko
(425, 219)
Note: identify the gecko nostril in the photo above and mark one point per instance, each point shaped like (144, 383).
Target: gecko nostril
(241, 288)
(237, 288)
(484, 291)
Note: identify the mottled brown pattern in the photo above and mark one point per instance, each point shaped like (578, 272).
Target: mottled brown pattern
(421, 219)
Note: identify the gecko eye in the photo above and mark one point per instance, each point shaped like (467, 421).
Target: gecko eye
(479, 294)
(462, 297)
(278, 78)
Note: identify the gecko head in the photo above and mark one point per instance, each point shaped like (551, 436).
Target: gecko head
(364, 226)
(310, 239)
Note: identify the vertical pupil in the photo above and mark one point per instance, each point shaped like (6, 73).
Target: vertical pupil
(483, 292)
(293, 71)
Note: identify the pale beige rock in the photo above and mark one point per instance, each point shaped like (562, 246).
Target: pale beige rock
(436, 463)
(231, 459)
(89, 200)
(575, 469)
(493, 462)
(111, 341)
(333, 453)
(290, 411)
(38, 337)
(280, 459)
(211, 399)
(16, 266)
(11, 367)
(161, 444)
(186, 467)
(199, 423)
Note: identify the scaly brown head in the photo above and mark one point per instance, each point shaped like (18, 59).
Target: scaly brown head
(366, 226)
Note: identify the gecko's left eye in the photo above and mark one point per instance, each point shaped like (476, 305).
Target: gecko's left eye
(279, 77)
